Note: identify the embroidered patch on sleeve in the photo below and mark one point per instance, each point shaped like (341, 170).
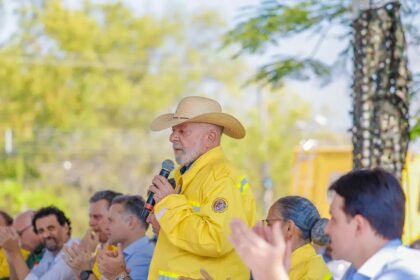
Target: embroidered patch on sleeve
(220, 205)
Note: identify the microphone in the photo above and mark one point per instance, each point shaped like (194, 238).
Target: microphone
(167, 167)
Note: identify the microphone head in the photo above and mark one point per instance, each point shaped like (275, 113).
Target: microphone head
(168, 165)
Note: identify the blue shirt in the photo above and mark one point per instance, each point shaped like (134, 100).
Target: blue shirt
(137, 257)
(393, 261)
(52, 267)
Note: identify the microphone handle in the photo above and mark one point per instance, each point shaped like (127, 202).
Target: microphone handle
(150, 202)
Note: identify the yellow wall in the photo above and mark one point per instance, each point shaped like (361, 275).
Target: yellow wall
(316, 169)
(411, 185)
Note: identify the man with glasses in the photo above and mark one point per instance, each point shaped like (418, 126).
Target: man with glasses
(29, 240)
(22, 236)
(53, 229)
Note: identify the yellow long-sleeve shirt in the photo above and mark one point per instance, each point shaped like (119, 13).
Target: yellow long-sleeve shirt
(305, 264)
(4, 266)
(194, 224)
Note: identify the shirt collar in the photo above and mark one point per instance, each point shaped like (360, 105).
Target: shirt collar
(135, 246)
(376, 263)
(301, 255)
(184, 169)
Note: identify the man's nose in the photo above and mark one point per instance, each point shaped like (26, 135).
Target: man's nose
(45, 234)
(173, 137)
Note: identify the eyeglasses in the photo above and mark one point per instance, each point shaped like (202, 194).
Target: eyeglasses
(269, 222)
(20, 232)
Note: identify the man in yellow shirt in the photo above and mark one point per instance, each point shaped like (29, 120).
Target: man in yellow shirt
(5, 221)
(194, 217)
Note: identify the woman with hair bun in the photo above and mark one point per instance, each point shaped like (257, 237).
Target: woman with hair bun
(301, 224)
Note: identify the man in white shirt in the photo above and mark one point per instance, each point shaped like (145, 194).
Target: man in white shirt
(54, 229)
(367, 220)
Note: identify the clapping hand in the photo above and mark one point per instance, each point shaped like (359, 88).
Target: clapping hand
(112, 263)
(262, 248)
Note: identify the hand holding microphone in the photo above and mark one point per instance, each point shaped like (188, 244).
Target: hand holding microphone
(160, 188)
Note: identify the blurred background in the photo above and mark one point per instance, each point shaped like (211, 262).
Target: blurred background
(81, 80)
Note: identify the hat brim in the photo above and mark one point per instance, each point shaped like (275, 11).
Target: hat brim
(231, 126)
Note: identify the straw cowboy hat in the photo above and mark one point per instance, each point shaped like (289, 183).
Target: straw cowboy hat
(200, 109)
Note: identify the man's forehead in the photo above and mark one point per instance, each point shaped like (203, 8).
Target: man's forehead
(337, 203)
(184, 125)
(50, 220)
(103, 203)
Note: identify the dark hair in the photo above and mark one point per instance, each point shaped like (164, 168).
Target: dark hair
(51, 210)
(7, 218)
(377, 196)
(305, 216)
(133, 204)
(107, 195)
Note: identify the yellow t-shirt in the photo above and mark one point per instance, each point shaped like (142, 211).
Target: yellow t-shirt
(4, 266)
(306, 264)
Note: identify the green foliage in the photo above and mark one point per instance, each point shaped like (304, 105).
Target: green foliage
(274, 73)
(267, 24)
(272, 21)
(415, 130)
(15, 197)
(270, 143)
(79, 87)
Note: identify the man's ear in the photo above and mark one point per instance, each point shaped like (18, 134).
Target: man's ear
(212, 136)
(67, 228)
(130, 221)
(362, 225)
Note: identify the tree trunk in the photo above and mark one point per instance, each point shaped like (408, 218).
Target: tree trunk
(380, 132)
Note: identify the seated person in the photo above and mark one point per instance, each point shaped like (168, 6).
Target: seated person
(81, 257)
(367, 221)
(127, 230)
(5, 221)
(21, 239)
(54, 230)
(28, 239)
(301, 224)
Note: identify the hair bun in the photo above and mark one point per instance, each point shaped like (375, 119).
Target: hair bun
(318, 235)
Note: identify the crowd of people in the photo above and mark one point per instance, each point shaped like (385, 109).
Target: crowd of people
(204, 223)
